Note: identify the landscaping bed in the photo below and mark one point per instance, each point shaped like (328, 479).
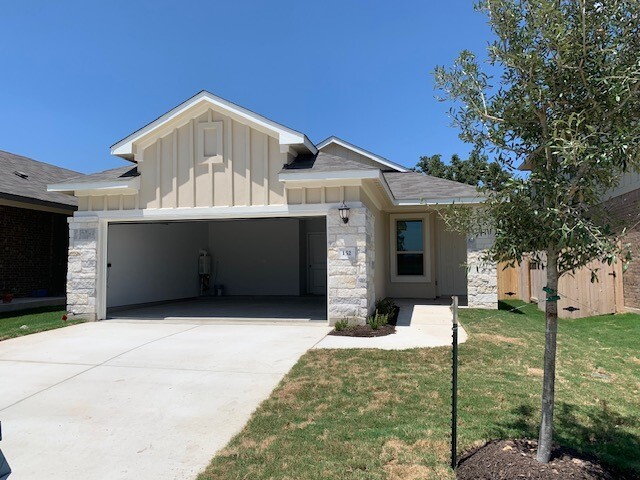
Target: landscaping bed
(513, 459)
(380, 324)
(364, 331)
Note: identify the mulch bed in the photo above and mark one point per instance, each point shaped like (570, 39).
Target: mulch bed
(516, 459)
(367, 331)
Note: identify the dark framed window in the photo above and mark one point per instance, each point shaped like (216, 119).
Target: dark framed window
(410, 247)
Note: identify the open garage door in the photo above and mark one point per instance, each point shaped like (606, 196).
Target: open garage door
(257, 268)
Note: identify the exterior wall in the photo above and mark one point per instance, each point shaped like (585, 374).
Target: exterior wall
(318, 195)
(482, 278)
(351, 282)
(33, 251)
(625, 209)
(451, 253)
(240, 168)
(82, 274)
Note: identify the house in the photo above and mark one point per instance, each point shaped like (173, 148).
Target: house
(270, 213)
(33, 227)
(623, 205)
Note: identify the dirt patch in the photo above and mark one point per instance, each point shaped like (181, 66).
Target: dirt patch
(364, 331)
(535, 372)
(499, 339)
(511, 459)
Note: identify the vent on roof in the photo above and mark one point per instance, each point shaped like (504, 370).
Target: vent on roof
(21, 174)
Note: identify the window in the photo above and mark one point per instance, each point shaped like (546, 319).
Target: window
(409, 255)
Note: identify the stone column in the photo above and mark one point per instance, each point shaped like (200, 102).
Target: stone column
(82, 272)
(351, 286)
(482, 277)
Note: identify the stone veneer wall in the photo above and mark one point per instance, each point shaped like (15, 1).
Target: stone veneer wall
(482, 278)
(82, 271)
(351, 283)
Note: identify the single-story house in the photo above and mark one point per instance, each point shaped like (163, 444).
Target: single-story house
(270, 213)
(34, 234)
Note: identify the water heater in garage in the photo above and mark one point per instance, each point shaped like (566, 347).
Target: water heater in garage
(204, 270)
(204, 263)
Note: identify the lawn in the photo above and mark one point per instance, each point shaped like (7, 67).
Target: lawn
(36, 320)
(370, 414)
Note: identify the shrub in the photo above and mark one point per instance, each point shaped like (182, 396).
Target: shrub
(342, 324)
(378, 320)
(385, 306)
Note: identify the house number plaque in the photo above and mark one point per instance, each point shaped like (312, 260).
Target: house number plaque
(347, 253)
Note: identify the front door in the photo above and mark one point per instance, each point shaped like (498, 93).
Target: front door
(316, 263)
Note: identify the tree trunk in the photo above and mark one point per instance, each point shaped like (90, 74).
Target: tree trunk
(549, 380)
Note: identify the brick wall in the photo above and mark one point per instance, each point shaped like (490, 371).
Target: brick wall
(33, 251)
(625, 210)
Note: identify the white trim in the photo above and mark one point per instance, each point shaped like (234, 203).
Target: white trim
(361, 151)
(439, 201)
(426, 247)
(286, 136)
(212, 213)
(107, 186)
(101, 269)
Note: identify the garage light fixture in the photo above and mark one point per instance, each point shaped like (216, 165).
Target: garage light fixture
(344, 212)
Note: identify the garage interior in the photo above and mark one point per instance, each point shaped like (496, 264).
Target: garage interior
(269, 268)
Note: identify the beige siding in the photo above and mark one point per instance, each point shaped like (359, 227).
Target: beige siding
(174, 173)
(315, 195)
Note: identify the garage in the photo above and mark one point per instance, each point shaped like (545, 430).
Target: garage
(265, 268)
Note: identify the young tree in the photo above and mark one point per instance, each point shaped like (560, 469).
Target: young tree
(566, 104)
(476, 170)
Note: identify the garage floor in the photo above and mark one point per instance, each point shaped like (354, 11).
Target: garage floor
(142, 400)
(231, 309)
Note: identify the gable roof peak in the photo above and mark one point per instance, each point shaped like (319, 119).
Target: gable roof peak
(287, 137)
(366, 153)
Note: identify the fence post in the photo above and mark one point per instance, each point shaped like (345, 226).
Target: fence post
(454, 386)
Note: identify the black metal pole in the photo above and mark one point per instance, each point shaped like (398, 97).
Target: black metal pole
(454, 389)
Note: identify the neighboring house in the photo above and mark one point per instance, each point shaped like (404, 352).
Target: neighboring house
(265, 203)
(623, 205)
(34, 234)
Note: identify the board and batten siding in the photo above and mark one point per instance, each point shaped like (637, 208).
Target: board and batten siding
(209, 161)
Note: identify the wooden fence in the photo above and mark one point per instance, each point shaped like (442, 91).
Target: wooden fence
(579, 297)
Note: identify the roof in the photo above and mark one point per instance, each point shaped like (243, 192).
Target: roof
(287, 136)
(366, 153)
(122, 174)
(120, 177)
(415, 186)
(323, 162)
(25, 179)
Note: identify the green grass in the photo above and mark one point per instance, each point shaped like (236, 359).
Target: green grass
(36, 320)
(370, 414)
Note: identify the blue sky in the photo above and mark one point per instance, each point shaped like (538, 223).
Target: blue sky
(76, 77)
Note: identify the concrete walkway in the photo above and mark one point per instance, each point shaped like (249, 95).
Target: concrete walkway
(420, 324)
(144, 400)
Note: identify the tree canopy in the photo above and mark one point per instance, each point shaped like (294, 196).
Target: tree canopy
(566, 104)
(476, 170)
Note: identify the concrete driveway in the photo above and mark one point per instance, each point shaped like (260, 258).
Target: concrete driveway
(117, 400)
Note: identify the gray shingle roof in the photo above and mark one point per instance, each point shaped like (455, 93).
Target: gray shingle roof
(413, 185)
(323, 162)
(31, 180)
(123, 174)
